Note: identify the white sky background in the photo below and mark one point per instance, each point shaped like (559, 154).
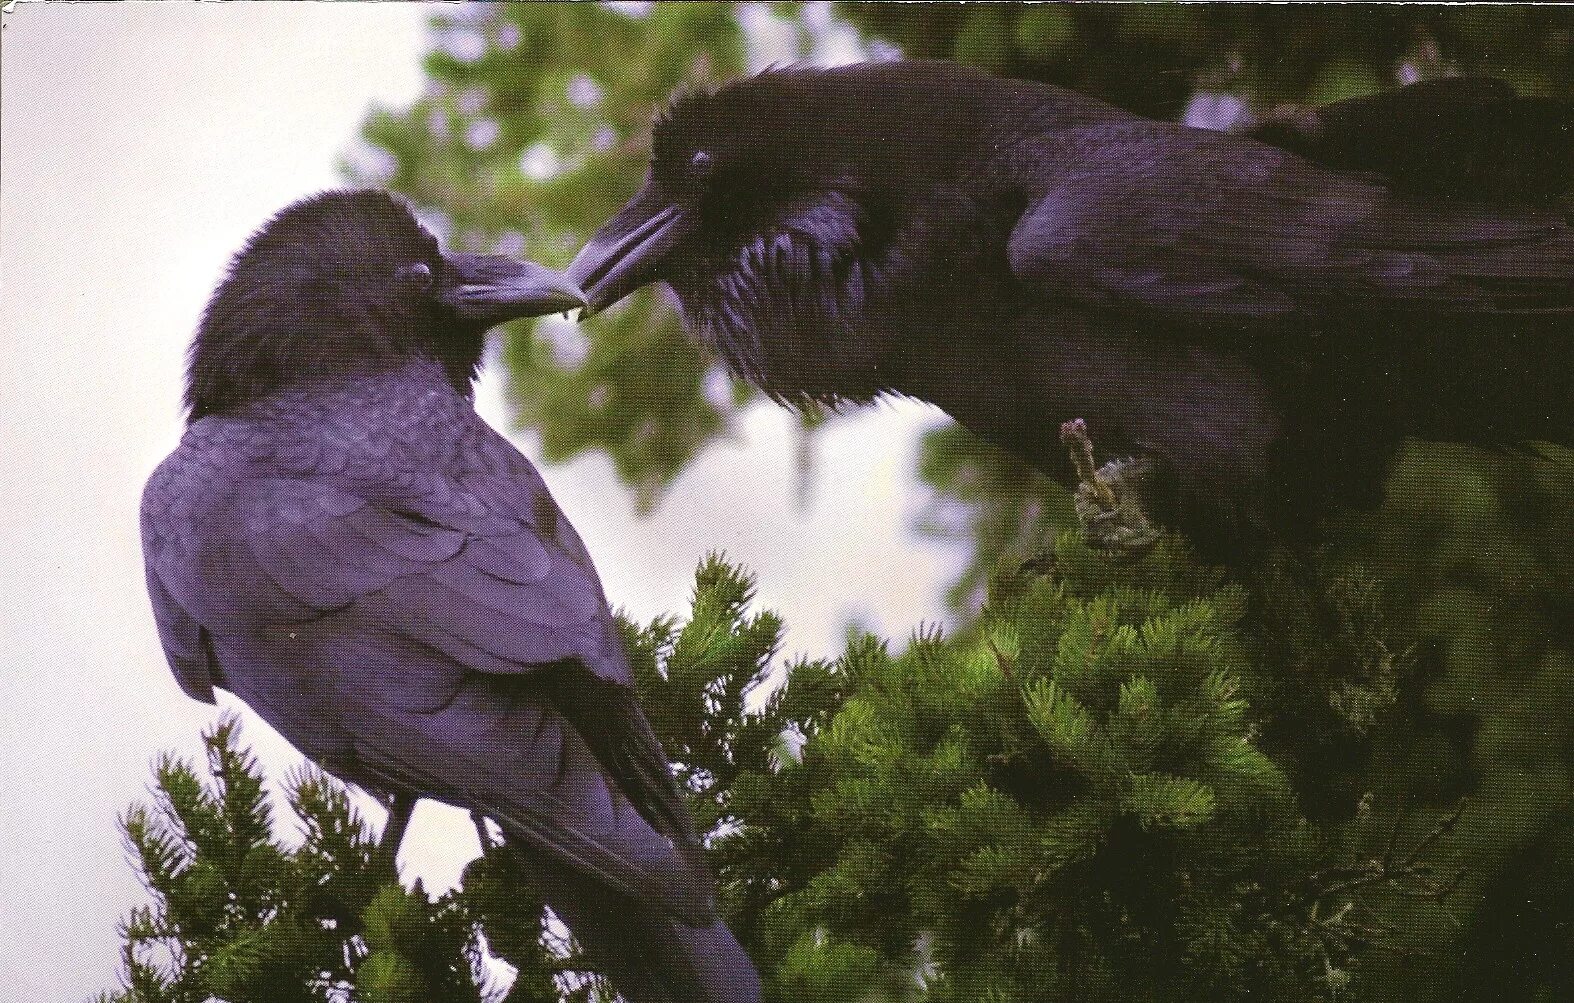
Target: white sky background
(141, 144)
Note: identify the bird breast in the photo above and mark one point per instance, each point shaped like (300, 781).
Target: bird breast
(788, 309)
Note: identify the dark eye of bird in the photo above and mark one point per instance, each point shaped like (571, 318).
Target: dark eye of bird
(418, 275)
(700, 165)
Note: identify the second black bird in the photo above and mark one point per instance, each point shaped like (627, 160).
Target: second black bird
(1259, 328)
(341, 542)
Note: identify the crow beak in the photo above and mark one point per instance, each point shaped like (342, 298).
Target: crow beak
(493, 288)
(629, 250)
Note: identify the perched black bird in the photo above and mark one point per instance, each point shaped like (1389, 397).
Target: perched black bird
(1258, 329)
(340, 541)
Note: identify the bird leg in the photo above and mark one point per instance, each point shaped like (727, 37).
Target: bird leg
(400, 807)
(483, 833)
(1108, 499)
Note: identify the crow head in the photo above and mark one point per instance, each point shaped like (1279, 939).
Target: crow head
(349, 281)
(770, 207)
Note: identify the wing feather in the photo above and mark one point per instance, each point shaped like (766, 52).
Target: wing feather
(311, 547)
(1205, 225)
(462, 607)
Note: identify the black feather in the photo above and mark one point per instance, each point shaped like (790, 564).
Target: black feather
(341, 541)
(1265, 322)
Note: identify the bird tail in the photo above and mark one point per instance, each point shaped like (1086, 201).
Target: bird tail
(1460, 136)
(648, 956)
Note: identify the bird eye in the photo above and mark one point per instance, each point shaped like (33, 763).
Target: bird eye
(418, 275)
(700, 165)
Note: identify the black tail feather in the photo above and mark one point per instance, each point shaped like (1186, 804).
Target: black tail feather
(648, 957)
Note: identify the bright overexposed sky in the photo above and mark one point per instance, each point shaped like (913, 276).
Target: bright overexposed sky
(141, 143)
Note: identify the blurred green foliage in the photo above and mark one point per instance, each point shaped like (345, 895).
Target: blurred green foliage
(1153, 57)
(1471, 551)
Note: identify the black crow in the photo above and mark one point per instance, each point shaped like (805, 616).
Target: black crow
(1256, 329)
(341, 542)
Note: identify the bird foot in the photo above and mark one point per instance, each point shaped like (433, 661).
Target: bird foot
(400, 808)
(1108, 499)
(1121, 527)
(483, 832)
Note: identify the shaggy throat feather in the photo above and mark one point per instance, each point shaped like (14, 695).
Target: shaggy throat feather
(784, 312)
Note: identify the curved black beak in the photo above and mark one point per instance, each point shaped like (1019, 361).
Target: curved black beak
(629, 249)
(492, 288)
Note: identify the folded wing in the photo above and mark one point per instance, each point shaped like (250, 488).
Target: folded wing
(447, 644)
(1218, 229)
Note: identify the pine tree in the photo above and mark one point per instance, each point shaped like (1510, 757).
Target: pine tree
(238, 915)
(1069, 797)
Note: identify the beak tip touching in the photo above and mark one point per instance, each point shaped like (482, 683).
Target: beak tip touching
(565, 300)
(628, 252)
(559, 292)
(496, 288)
(582, 272)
